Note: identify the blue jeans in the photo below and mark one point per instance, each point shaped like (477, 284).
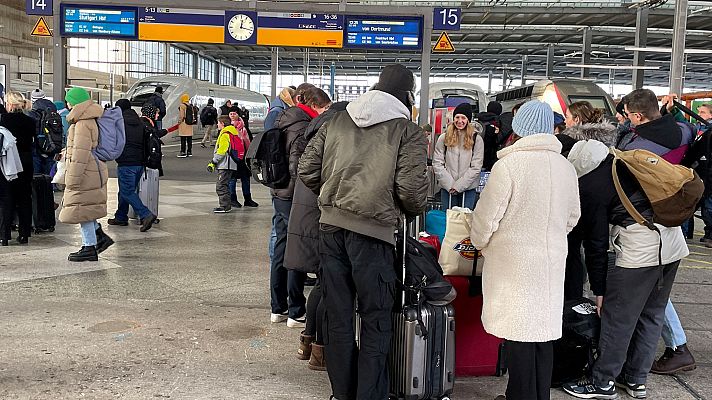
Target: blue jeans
(673, 334)
(272, 240)
(42, 165)
(89, 232)
(129, 179)
(707, 215)
(471, 197)
(245, 181)
(286, 286)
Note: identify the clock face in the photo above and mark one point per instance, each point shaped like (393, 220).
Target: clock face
(241, 27)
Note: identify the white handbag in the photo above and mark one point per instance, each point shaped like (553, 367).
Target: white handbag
(458, 254)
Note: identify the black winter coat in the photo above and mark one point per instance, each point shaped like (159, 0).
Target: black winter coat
(302, 253)
(701, 147)
(157, 101)
(135, 149)
(292, 123)
(150, 129)
(24, 130)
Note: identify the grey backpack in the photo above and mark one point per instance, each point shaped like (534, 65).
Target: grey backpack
(112, 135)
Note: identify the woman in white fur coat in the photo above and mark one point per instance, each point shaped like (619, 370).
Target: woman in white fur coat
(529, 205)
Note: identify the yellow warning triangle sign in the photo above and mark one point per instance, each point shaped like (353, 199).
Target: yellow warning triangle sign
(41, 28)
(444, 44)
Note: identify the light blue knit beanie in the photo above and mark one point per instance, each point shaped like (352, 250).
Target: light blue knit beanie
(534, 117)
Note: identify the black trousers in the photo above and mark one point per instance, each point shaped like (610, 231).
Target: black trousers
(575, 273)
(315, 314)
(286, 286)
(529, 366)
(186, 142)
(16, 198)
(632, 321)
(354, 264)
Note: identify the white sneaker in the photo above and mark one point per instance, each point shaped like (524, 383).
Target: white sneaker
(297, 323)
(278, 318)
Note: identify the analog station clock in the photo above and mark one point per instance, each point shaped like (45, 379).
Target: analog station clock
(241, 27)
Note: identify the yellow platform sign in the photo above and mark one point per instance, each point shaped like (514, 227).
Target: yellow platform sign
(444, 44)
(41, 28)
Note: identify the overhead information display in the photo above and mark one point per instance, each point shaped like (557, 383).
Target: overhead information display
(374, 32)
(99, 21)
(300, 30)
(181, 25)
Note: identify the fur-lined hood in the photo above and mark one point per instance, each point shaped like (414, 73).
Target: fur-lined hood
(604, 132)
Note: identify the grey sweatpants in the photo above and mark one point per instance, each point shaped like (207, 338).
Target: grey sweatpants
(631, 322)
(221, 187)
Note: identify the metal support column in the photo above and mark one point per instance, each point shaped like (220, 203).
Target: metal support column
(504, 78)
(424, 109)
(549, 61)
(586, 52)
(166, 49)
(524, 70)
(248, 81)
(216, 75)
(59, 61)
(332, 80)
(42, 67)
(306, 65)
(641, 40)
(275, 72)
(490, 76)
(196, 64)
(677, 62)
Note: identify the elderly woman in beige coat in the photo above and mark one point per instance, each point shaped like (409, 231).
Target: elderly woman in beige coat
(85, 178)
(185, 131)
(457, 159)
(529, 205)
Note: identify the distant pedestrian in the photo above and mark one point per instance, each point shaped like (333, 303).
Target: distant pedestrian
(157, 101)
(209, 120)
(185, 131)
(225, 108)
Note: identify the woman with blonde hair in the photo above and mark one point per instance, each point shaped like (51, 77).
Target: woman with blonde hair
(458, 158)
(16, 195)
(185, 131)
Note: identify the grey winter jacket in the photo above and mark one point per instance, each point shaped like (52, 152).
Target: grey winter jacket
(368, 165)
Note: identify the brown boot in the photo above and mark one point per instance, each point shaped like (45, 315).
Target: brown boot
(305, 346)
(673, 361)
(317, 362)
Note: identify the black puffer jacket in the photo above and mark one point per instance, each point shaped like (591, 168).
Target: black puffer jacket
(135, 148)
(292, 123)
(302, 252)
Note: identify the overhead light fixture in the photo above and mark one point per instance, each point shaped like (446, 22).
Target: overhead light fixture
(666, 50)
(599, 66)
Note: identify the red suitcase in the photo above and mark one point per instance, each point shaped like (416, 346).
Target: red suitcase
(477, 353)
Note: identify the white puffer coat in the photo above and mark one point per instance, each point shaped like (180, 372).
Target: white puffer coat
(459, 168)
(530, 204)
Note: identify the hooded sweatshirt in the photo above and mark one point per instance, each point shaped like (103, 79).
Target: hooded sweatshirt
(368, 166)
(665, 137)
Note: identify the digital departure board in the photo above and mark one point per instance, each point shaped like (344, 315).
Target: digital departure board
(172, 24)
(99, 21)
(300, 30)
(381, 32)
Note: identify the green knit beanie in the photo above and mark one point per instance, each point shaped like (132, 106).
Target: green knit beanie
(76, 96)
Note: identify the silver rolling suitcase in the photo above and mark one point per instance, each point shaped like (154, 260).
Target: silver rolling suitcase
(148, 191)
(422, 357)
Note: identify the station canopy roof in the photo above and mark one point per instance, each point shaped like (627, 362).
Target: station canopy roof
(496, 35)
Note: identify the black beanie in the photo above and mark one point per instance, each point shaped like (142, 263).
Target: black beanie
(463, 109)
(123, 104)
(398, 81)
(494, 108)
(234, 108)
(211, 102)
(159, 89)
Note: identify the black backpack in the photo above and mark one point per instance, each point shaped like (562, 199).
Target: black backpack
(423, 275)
(208, 116)
(575, 352)
(191, 114)
(153, 155)
(268, 160)
(50, 132)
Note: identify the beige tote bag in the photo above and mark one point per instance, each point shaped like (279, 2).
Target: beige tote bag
(457, 254)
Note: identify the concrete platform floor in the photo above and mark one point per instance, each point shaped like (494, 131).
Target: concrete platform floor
(182, 311)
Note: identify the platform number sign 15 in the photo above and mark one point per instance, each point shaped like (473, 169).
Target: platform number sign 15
(447, 19)
(39, 7)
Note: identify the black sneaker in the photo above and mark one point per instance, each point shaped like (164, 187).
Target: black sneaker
(221, 210)
(584, 388)
(116, 222)
(235, 204)
(147, 223)
(182, 155)
(636, 391)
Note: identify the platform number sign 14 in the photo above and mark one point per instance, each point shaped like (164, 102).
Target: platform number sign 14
(39, 7)
(447, 19)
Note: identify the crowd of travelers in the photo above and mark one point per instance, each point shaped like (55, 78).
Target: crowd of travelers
(549, 217)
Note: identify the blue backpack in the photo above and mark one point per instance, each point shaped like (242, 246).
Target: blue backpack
(112, 136)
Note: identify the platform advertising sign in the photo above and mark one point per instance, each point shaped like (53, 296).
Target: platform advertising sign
(99, 21)
(300, 29)
(188, 25)
(384, 32)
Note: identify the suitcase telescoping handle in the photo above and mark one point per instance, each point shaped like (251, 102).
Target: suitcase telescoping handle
(691, 113)
(462, 203)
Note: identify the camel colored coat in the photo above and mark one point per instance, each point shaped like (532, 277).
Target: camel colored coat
(184, 129)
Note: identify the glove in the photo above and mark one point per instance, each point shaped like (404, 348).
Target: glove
(211, 167)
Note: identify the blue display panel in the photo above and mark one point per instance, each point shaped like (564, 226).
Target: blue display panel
(381, 32)
(99, 21)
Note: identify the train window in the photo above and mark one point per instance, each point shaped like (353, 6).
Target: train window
(143, 91)
(596, 102)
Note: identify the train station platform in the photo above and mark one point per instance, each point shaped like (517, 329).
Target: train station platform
(182, 311)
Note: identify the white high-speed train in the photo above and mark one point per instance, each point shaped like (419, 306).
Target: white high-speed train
(199, 92)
